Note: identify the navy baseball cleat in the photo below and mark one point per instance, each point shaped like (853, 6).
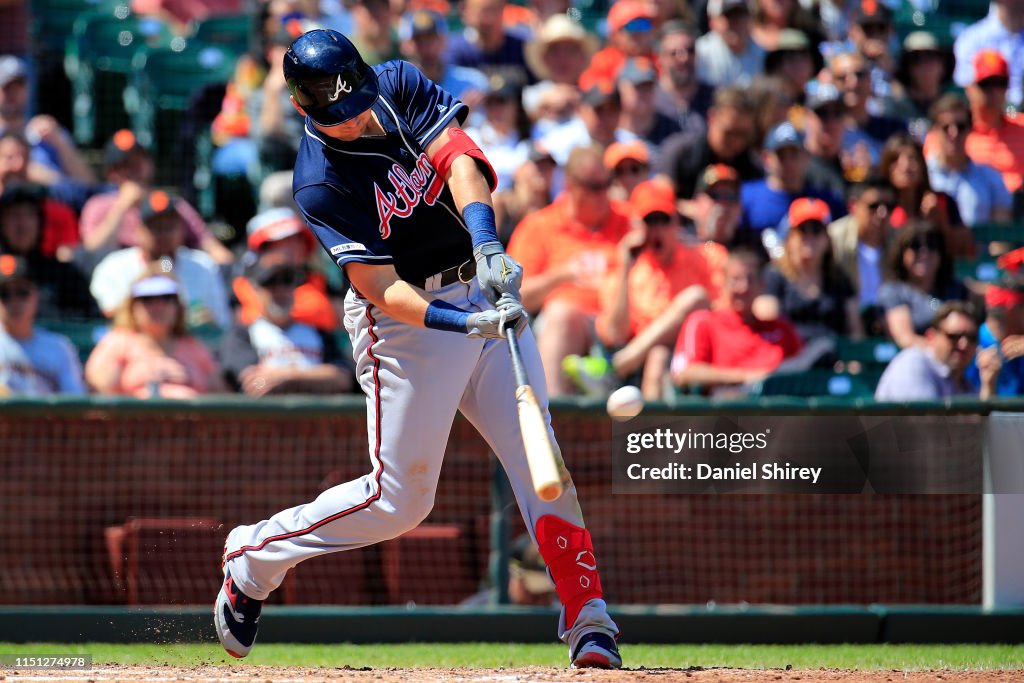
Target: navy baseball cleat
(236, 617)
(596, 651)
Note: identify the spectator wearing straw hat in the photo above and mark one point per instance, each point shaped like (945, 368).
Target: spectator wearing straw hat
(560, 51)
(161, 238)
(33, 361)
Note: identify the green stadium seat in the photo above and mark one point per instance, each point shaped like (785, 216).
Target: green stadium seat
(871, 351)
(232, 31)
(816, 382)
(162, 83)
(980, 269)
(98, 60)
(53, 20)
(1012, 233)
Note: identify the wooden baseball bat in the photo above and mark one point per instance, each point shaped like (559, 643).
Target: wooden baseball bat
(540, 456)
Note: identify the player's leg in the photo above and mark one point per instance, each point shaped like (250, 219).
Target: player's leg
(413, 379)
(557, 526)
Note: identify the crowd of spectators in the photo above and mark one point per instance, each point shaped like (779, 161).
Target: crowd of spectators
(700, 196)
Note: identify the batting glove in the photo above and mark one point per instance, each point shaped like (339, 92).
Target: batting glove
(491, 324)
(497, 272)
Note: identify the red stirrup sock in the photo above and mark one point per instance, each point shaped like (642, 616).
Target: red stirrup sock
(569, 554)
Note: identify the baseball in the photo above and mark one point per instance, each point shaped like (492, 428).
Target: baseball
(625, 402)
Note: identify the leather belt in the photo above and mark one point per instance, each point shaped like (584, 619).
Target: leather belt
(464, 273)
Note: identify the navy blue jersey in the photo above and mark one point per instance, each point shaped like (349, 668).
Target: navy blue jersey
(379, 200)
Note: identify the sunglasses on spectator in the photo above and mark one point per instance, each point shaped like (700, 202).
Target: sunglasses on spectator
(283, 280)
(163, 298)
(638, 25)
(875, 206)
(736, 13)
(875, 28)
(12, 293)
(724, 196)
(830, 113)
(931, 244)
(998, 83)
(630, 169)
(955, 337)
(956, 127)
(657, 219)
(859, 74)
(594, 185)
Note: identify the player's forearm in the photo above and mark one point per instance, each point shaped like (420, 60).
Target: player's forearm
(467, 183)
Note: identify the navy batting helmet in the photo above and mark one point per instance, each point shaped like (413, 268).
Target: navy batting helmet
(328, 78)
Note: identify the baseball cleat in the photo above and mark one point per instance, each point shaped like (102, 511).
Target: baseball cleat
(236, 617)
(596, 651)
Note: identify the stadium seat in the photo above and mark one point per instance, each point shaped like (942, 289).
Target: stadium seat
(98, 60)
(816, 382)
(228, 30)
(871, 351)
(1011, 233)
(428, 565)
(53, 20)
(158, 93)
(154, 560)
(980, 269)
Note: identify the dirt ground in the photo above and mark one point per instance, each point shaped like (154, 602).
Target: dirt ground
(224, 674)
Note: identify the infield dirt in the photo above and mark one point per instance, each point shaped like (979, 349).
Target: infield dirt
(229, 674)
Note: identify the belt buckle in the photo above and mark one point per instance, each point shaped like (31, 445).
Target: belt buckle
(459, 272)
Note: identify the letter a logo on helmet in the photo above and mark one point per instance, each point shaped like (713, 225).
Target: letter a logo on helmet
(328, 78)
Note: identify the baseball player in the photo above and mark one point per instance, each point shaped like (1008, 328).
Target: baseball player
(399, 196)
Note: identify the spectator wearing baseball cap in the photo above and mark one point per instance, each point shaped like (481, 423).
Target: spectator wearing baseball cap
(279, 233)
(638, 81)
(631, 32)
(826, 134)
(161, 239)
(729, 346)
(630, 164)
(937, 369)
(656, 283)
(33, 361)
(111, 220)
(423, 40)
(812, 290)
(1002, 29)
(274, 353)
(766, 202)
(1003, 331)
(727, 54)
(149, 351)
(851, 73)
(996, 138)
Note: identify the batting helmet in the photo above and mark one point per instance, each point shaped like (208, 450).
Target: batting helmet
(328, 78)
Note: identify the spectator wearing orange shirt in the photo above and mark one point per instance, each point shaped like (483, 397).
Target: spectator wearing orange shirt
(657, 283)
(995, 139)
(566, 250)
(630, 34)
(279, 232)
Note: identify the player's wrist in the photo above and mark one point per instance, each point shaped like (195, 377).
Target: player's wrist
(482, 224)
(441, 315)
